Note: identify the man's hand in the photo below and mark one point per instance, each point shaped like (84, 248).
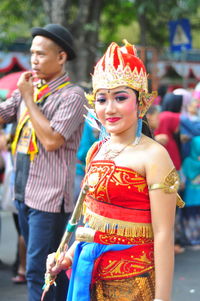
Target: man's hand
(25, 86)
(3, 141)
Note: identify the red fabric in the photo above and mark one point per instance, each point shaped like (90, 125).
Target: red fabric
(127, 263)
(168, 124)
(119, 193)
(68, 273)
(114, 184)
(128, 53)
(119, 213)
(133, 62)
(9, 82)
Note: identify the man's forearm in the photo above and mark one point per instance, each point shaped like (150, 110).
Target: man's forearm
(47, 136)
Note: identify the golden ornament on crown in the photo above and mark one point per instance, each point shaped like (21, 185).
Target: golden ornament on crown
(120, 66)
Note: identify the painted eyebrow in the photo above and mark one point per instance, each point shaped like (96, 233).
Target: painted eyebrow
(123, 91)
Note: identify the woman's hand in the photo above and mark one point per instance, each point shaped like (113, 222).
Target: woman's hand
(54, 267)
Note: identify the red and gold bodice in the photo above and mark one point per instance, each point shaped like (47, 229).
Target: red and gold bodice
(117, 207)
(118, 200)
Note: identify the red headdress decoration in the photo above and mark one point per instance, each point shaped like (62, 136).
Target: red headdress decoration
(120, 66)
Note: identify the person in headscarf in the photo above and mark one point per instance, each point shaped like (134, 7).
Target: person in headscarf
(186, 99)
(169, 122)
(169, 126)
(189, 127)
(191, 212)
(126, 249)
(196, 92)
(172, 103)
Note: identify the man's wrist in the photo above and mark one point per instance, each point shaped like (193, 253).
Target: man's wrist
(28, 98)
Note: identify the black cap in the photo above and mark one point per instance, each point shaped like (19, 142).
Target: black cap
(59, 34)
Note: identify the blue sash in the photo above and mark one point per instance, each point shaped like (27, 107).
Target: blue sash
(84, 258)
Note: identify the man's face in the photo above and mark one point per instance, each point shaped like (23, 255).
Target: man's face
(47, 58)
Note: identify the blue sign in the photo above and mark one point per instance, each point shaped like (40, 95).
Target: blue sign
(180, 36)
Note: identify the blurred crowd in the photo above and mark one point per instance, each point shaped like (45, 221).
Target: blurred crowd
(175, 122)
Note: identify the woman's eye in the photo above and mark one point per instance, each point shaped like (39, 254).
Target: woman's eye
(121, 97)
(101, 100)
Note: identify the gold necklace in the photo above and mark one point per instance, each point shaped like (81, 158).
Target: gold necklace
(109, 153)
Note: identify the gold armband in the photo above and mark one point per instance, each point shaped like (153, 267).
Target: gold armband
(170, 185)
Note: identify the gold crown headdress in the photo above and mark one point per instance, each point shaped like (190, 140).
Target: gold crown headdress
(120, 66)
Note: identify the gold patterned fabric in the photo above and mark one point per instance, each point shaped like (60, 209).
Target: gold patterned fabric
(132, 289)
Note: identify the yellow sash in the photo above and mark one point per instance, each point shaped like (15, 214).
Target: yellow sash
(39, 96)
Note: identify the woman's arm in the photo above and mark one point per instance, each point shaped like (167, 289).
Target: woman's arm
(163, 206)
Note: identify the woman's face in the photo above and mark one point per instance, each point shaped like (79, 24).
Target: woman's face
(116, 109)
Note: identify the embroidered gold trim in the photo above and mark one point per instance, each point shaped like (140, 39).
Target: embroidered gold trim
(170, 185)
(116, 267)
(113, 226)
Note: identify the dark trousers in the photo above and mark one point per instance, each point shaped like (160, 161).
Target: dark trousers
(42, 232)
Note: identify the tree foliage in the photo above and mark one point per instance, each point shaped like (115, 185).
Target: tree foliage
(17, 17)
(95, 23)
(153, 17)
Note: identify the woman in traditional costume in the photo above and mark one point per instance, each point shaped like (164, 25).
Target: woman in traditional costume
(125, 251)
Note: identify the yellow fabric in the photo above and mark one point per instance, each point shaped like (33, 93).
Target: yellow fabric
(24, 119)
(119, 227)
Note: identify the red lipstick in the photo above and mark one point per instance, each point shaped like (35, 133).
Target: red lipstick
(113, 119)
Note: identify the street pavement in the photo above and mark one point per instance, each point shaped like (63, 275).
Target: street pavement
(186, 278)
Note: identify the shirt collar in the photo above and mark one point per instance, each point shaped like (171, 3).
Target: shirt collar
(52, 85)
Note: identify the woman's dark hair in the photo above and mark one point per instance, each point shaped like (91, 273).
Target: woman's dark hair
(145, 127)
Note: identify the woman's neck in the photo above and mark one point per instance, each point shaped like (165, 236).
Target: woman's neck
(123, 138)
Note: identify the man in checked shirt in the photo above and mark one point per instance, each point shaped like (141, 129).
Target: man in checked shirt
(50, 120)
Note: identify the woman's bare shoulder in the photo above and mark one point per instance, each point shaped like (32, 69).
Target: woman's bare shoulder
(157, 161)
(155, 147)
